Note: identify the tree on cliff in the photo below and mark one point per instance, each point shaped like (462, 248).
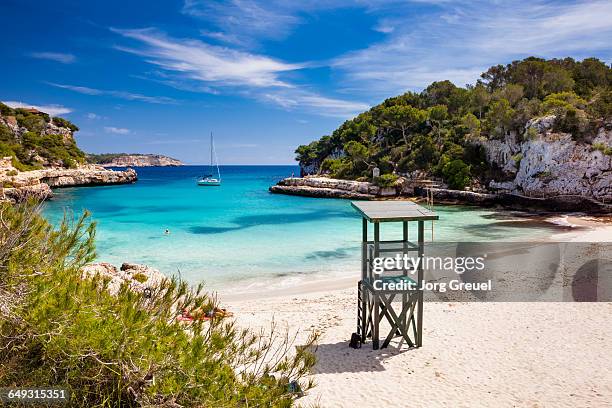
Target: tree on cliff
(442, 124)
(37, 146)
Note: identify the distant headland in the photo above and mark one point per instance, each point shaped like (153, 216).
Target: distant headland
(132, 160)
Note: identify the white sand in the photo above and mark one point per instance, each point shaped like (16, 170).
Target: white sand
(473, 354)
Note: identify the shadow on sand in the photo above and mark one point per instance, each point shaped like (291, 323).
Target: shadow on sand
(340, 358)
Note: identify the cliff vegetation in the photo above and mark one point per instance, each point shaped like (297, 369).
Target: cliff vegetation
(35, 140)
(444, 130)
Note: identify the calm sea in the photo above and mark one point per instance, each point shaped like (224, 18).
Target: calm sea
(239, 232)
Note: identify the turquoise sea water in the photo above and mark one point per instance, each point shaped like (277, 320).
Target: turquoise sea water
(239, 232)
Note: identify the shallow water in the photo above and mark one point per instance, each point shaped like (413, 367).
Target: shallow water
(239, 232)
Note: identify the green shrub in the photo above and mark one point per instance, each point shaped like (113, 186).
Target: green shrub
(140, 277)
(128, 350)
(61, 122)
(386, 180)
(16, 163)
(531, 133)
(32, 122)
(12, 173)
(457, 174)
(572, 121)
(563, 101)
(602, 148)
(517, 159)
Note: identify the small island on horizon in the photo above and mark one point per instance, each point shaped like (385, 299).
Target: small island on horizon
(133, 160)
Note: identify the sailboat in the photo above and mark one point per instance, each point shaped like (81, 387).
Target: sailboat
(209, 180)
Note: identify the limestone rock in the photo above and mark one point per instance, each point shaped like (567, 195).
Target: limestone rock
(37, 183)
(553, 164)
(327, 187)
(138, 277)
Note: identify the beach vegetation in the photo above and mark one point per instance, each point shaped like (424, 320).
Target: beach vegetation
(438, 130)
(128, 349)
(140, 277)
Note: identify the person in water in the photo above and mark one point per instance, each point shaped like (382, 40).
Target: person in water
(167, 232)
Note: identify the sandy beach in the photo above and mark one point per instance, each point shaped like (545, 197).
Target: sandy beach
(537, 354)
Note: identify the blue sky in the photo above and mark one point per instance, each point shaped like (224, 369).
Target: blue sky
(265, 76)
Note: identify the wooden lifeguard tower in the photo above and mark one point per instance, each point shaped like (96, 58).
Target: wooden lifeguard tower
(375, 300)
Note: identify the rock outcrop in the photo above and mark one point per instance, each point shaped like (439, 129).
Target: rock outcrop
(137, 277)
(329, 188)
(17, 185)
(137, 160)
(552, 164)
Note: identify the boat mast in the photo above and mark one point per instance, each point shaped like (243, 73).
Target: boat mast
(211, 150)
(213, 157)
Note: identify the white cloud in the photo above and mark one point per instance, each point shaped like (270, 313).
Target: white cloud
(53, 109)
(198, 60)
(54, 56)
(384, 26)
(458, 41)
(198, 67)
(116, 130)
(130, 96)
(92, 116)
(242, 21)
(314, 103)
(245, 22)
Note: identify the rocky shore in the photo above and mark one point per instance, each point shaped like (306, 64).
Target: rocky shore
(18, 185)
(325, 187)
(545, 170)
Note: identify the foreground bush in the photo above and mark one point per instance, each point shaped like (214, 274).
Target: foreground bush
(57, 329)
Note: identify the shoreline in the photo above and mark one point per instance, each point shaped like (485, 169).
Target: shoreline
(420, 190)
(476, 354)
(39, 183)
(572, 228)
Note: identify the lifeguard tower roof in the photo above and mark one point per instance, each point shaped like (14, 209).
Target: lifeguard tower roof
(390, 211)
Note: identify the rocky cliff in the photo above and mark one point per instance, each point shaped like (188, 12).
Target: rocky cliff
(40, 152)
(133, 160)
(17, 185)
(552, 164)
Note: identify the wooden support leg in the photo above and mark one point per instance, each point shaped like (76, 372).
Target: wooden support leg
(405, 271)
(364, 291)
(376, 320)
(419, 340)
(376, 323)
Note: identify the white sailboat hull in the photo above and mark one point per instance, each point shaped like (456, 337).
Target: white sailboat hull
(209, 182)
